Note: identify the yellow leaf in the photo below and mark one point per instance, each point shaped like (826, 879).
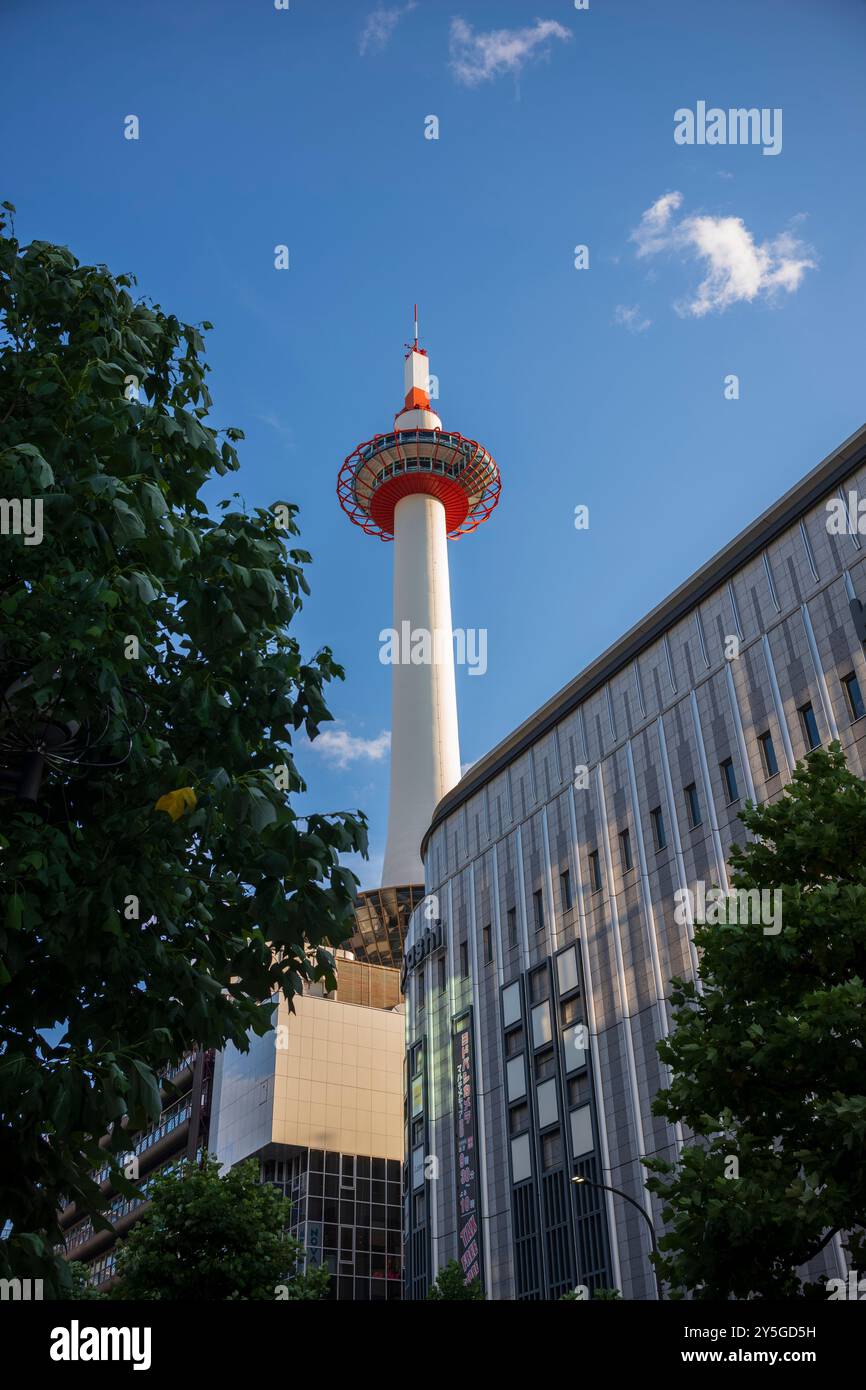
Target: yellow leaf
(177, 803)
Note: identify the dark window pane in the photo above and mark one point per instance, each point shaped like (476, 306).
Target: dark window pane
(855, 699)
(731, 789)
(658, 825)
(625, 850)
(769, 754)
(594, 871)
(810, 726)
(565, 890)
(538, 902)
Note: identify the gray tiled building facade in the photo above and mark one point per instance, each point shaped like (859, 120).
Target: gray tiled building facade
(552, 868)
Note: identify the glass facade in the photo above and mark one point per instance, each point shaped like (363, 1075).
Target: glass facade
(346, 1211)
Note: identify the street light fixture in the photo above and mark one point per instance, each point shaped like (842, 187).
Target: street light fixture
(619, 1193)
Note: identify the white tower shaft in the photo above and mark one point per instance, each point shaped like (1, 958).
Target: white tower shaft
(425, 749)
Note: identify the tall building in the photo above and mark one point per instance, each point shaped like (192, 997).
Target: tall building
(180, 1133)
(535, 1002)
(317, 1103)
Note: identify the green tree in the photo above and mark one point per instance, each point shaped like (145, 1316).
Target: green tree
(450, 1283)
(80, 1287)
(156, 883)
(767, 1060)
(218, 1239)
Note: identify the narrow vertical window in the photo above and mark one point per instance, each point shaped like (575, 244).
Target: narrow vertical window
(464, 960)
(855, 699)
(658, 825)
(488, 944)
(693, 801)
(625, 850)
(565, 890)
(512, 926)
(730, 777)
(595, 871)
(538, 905)
(810, 726)
(768, 753)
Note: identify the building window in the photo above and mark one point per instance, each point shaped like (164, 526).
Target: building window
(658, 825)
(464, 960)
(625, 851)
(855, 699)
(518, 1118)
(768, 753)
(443, 975)
(420, 990)
(511, 1004)
(541, 1030)
(566, 971)
(512, 927)
(418, 1166)
(514, 1042)
(581, 1131)
(565, 889)
(538, 905)
(539, 986)
(568, 1009)
(574, 1041)
(594, 871)
(551, 1150)
(548, 1111)
(693, 801)
(545, 1065)
(521, 1164)
(488, 944)
(515, 1078)
(810, 726)
(731, 788)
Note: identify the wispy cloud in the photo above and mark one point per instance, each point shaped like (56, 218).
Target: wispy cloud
(285, 432)
(380, 25)
(654, 230)
(342, 749)
(737, 268)
(477, 58)
(629, 316)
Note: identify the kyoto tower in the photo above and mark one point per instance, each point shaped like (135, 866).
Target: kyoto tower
(420, 486)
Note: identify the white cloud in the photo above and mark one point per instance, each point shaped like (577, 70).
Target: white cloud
(736, 267)
(629, 316)
(341, 748)
(653, 231)
(477, 58)
(380, 25)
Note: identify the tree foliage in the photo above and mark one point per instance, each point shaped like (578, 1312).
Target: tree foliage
(207, 1238)
(450, 1283)
(152, 640)
(768, 1060)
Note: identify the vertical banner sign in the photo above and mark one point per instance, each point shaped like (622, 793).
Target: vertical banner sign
(466, 1150)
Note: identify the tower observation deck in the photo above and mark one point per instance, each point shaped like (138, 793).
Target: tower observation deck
(420, 486)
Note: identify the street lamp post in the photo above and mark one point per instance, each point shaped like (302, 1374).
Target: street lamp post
(637, 1206)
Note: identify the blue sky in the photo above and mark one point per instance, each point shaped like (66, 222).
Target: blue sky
(602, 387)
